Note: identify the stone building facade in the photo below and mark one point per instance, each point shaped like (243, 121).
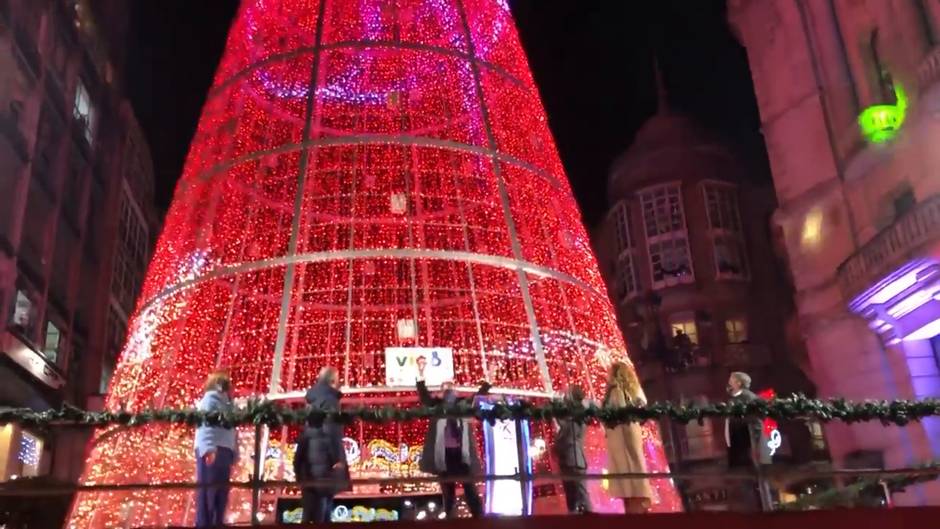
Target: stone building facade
(849, 94)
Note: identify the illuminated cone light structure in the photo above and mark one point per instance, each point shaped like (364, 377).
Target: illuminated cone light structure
(365, 174)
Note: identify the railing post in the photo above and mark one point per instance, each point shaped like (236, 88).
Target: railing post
(256, 478)
(524, 477)
(763, 487)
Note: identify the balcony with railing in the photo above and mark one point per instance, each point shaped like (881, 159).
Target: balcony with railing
(902, 241)
(736, 355)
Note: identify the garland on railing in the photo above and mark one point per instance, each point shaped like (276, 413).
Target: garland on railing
(796, 407)
(850, 495)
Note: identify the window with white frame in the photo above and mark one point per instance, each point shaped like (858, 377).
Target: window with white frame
(724, 222)
(730, 260)
(625, 271)
(84, 112)
(722, 204)
(131, 255)
(627, 285)
(736, 330)
(666, 237)
(685, 326)
(53, 342)
(622, 226)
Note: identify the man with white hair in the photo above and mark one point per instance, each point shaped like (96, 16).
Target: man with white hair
(739, 433)
(743, 436)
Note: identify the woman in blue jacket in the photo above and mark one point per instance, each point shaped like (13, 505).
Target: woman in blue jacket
(216, 453)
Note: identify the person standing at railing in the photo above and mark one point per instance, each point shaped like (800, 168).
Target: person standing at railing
(625, 441)
(569, 449)
(742, 436)
(216, 453)
(450, 448)
(320, 453)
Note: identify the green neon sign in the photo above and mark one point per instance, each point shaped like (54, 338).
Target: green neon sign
(881, 123)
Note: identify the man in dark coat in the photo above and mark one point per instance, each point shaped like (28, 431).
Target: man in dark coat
(450, 448)
(320, 452)
(569, 448)
(743, 436)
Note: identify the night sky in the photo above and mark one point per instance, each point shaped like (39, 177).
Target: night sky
(592, 61)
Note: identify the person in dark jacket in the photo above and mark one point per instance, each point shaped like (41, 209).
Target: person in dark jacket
(569, 448)
(320, 452)
(743, 437)
(450, 447)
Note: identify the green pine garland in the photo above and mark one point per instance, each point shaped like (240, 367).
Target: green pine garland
(796, 407)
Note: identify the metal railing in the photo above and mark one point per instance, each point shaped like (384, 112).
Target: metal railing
(759, 478)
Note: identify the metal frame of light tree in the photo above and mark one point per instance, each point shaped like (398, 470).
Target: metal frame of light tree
(214, 281)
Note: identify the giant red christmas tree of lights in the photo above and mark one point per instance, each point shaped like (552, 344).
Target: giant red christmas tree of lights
(365, 174)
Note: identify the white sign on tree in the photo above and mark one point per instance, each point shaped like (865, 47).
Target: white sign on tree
(401, 365)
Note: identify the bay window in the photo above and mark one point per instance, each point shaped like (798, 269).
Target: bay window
(666, 235)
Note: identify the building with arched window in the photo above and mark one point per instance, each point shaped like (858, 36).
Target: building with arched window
(687, 253)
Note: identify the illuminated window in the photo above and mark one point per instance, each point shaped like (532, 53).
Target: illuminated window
(52, 343)
(29, 454)
(666, 237)
(84, 112)
(23, 450)
(736, 330)
(724, 222)
(686, 327)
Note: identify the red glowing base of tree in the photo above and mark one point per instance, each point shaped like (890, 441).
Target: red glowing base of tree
(365, 174)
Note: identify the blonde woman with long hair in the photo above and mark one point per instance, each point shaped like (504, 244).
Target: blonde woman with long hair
(625, 441)
(216, 453)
